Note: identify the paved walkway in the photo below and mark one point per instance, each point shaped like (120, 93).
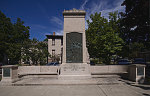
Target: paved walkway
(74, 90)
(112, 86)
(96, 80)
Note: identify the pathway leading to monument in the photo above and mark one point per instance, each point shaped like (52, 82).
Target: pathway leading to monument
(96, 80)
(75, 90)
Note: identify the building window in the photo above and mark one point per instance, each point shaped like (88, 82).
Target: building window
(53, 52)
(53, 42)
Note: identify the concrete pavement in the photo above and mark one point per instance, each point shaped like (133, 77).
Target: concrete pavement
(105, 86)
(74, 90)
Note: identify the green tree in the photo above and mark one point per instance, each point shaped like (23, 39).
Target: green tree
(136, 21)
(135, 27)
(20, 35)
(12, 37)
(25, 52)
(35, 51)
(43, 52)
(102, 37)
(6, 28)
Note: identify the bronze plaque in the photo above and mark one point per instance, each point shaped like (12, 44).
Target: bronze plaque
(6, 72)
(74, 47)
(140, 70)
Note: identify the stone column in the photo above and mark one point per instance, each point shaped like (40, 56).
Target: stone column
(137, 73)
(9, 74)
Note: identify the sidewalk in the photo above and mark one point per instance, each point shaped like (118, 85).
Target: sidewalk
(74, 90)
(107, 86)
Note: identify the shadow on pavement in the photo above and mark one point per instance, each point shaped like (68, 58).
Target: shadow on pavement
(146, 94)
(142, 86)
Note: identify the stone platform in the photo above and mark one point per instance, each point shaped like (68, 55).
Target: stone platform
(110, 85)
(71, 71)
(53, 80)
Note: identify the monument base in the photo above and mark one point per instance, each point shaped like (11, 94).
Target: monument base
(74, 71)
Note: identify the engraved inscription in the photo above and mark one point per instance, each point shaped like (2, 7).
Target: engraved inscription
(74, 68)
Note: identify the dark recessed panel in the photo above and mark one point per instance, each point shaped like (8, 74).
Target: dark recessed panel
(6, 72)
(74, 47)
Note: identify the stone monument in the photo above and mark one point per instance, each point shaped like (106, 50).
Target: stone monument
(74, 64)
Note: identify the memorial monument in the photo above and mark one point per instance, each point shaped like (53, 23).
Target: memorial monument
(74, 62)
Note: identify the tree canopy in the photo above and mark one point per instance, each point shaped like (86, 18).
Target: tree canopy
(135, 27)
(103, 39)
(12, 37)
(15, 44)
(136, 21)
(36, 51)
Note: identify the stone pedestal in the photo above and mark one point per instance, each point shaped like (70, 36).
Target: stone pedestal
(137, 73)
(9, 74)
(74, 71)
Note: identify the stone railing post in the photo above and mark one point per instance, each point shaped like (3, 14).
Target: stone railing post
(9, 74)
(137, 73)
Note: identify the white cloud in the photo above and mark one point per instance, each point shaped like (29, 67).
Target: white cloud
(83, 5)
(57, 20)
(103, 6)
(59, 32)
(117, 7)
(38, 26)
(91, 7)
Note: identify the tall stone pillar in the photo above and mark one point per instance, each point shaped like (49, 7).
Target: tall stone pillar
(74, 42)
(74, 45)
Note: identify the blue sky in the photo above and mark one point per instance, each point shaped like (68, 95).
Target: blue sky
(45, 16)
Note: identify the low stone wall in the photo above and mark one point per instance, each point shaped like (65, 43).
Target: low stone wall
(134, 72)
(104, 69)
(109, 69)
(25, 70)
